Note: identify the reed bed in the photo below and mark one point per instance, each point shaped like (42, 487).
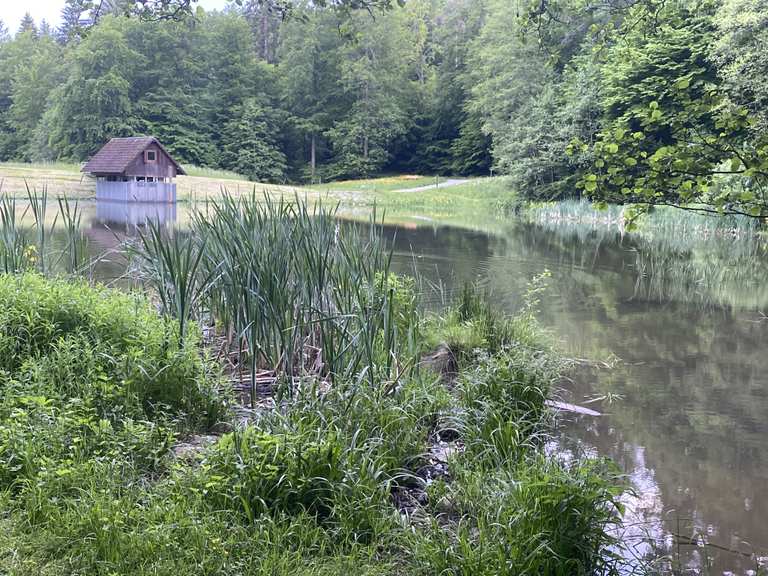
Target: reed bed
(675, 255)
(663, 222)
(288, 288)
(26, 237)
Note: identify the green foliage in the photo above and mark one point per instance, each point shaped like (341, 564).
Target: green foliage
(30, 67)
(324, 94)
(373, 70)
(310, 57)
(52, 330)
(738, 55)
(70, 29)
(27, 26)
(15, 254)
(670, 131)
(250, 144)
(96, 390)
(531, 110)
(737, 51)
(649, 103)
(95, 102)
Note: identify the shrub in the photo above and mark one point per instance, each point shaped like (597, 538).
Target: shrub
(71, 340)
(89, 375)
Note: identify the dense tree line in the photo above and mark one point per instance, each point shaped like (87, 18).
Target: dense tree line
(323, 94)
(630, 102)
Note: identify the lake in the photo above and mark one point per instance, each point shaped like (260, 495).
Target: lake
(667, 338)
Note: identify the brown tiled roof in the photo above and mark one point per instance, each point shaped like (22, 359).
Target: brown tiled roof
(115, 156)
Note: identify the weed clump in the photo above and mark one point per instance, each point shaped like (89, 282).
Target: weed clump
(256, 473)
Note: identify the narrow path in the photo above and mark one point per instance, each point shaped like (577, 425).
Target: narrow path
(442, 184)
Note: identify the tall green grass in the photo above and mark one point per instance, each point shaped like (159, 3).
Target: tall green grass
(674, 255)
(26, 237)
(171, 265)
(291, 290)
(14, 253)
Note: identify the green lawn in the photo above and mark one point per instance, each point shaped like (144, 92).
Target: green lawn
(481, 203)
(66, 179)
(476, 203)
(384, 184)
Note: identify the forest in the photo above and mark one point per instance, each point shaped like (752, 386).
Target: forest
(644, 103)
(324, 96)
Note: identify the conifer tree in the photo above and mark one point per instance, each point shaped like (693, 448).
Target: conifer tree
(250, 144)
(45, 29)
(70, 28)
(27, 24)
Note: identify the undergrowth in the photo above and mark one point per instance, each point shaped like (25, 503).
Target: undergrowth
(367, 468)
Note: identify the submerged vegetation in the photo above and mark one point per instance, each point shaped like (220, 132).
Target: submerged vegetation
(277, 401)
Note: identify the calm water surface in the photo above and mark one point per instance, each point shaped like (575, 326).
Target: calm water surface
(679, 323)
(688, 360)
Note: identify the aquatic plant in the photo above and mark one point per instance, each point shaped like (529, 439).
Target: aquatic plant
(15, 252)
(170, 263)
(26, 241)
(674, 255)
(291, 289)
(75, 252)
(38, 205)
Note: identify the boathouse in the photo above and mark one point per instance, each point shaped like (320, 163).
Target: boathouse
(134, 169)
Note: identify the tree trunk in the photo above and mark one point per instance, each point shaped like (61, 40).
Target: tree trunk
(312, 158)
(264, 33)
(365, 125)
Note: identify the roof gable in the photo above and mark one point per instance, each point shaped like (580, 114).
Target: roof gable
(117, 154)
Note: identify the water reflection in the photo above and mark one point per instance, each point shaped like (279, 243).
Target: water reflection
(690, 426)
(119, 214)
